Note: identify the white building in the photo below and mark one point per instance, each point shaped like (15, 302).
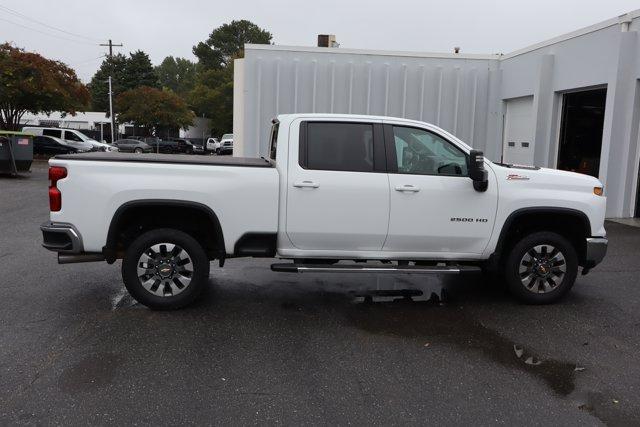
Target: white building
(572, 102)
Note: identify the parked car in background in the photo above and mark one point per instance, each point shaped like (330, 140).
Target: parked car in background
(213, 145)
(184, 146)
(226, 144)
(164, 146)
(198, 149)
(51, 145)
(133, 146)
(72, 136)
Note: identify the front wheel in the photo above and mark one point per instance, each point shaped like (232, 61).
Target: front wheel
(541, 268)
(138, 150)
(165, 269)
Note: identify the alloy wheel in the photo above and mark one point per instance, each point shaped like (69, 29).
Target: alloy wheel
(165, 269)
(542, 268)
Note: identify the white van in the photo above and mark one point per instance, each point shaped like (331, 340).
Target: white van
(73, 137)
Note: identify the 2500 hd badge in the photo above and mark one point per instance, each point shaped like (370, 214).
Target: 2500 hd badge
(457, 219)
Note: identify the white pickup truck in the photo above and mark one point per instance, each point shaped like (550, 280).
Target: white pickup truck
(338, 193)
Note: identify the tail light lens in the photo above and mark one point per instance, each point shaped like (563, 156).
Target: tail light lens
(56, 173)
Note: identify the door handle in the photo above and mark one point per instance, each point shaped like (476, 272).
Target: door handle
(306, 184)
(407, 187)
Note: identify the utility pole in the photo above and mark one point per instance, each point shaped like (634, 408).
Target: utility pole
(111, 45)
(111, 111)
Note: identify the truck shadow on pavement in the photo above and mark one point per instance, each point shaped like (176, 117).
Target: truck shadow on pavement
(406, 313)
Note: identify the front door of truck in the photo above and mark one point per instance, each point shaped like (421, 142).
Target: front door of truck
(434, 208)
(337, 188)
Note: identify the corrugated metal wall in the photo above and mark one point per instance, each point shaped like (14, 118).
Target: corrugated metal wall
(451, 92)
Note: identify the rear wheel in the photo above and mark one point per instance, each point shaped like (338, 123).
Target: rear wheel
(541, 268)
(165, 269)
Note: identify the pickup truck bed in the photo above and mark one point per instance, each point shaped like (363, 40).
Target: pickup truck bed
(169, 158)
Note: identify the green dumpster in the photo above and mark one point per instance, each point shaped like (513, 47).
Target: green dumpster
(16, 152)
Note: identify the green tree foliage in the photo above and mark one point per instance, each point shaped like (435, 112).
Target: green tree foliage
(153, 108)
(32, 83)
(212, 95)
(228, 41)
(114, 67)
(139, 72)
(177, 74)
(126, 73)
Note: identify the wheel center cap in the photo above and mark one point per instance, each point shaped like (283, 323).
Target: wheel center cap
(165, 270)
(543, 270)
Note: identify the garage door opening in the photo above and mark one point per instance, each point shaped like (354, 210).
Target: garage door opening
(581, 131)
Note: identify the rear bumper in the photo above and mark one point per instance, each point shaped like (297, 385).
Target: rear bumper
(61, 237)
(596, 250)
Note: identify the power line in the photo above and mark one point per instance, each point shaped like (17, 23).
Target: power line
(47, 34)
(28, 18)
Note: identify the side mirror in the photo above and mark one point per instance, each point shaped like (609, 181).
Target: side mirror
(477, 172)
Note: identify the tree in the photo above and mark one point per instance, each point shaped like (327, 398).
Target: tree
(126, 73)
(228, 41)
(177, 74)
(114, 67)
(153, 108)
(212, 95)
(139, 72)
(31, 83)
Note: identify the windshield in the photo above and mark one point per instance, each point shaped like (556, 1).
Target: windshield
(227, 136)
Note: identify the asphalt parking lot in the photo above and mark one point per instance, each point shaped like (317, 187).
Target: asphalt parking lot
(263, 347)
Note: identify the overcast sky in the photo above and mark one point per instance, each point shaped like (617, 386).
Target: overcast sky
(163, 27)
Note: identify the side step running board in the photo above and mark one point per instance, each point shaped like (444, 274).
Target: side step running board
(393, 269)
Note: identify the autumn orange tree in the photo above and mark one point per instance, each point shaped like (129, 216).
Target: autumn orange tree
(31, 83)
(154, 109)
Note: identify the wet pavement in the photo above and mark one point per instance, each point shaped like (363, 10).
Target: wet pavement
(277, 348)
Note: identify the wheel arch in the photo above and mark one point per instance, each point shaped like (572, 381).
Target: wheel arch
(568, 222)
(125, 216)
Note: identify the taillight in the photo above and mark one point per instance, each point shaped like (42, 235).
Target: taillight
(56, 173)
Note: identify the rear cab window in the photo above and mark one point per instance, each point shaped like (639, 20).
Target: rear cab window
(341, 146)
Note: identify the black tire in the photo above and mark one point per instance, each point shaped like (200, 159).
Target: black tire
(198, 277)
(543, 288)
(138, 150)
(218, 151)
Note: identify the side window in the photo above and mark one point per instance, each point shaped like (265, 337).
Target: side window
(274, 141)
(41, 140)
(339, 147)
(70, 136)
(52, 132)
(421, 152)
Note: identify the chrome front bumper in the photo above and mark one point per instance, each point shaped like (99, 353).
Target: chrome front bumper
(61, 237)
(596, 250)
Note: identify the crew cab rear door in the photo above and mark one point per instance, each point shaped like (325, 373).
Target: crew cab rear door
(434, 207)
(337, 186)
